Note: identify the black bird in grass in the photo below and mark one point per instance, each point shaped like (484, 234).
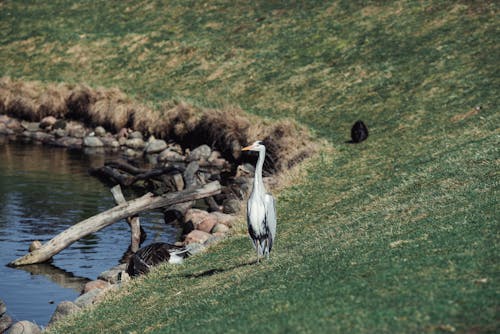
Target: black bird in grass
(141, 261)
(359, 132)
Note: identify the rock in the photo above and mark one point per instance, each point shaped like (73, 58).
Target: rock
(25, 327)
(220, 228)
(135, 135)
(135, 143)
(100, 131)
(224, 218)
(76, 130)
(69, 142)
(89, 298)
(169, 155)
(35, 245)
(64, 309)
(97, 284)
(30, 126)
(3, 307)
(156, 146)
(14, 124)
(4, 130)
(92, 142)
(214, 155)
(207, 224)
(40, 136)
(112, 275)
(196, 216)
(47, 122)
(5, 322)
(122, 141)
(197, 236)
(123, 133)
(201, 152)
(110, 142)
(231, 205)
(59, 133)
(59, 124)
(132, 153)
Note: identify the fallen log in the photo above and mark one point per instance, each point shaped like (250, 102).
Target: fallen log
(101, 220)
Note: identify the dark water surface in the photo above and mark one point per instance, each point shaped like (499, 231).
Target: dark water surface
(43, 191)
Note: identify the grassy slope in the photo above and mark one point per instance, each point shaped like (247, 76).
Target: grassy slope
(397, 234)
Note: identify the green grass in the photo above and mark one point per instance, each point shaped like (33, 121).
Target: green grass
(397, 234)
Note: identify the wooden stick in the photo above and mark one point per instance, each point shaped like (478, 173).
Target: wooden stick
(133, 221)
(101, 220)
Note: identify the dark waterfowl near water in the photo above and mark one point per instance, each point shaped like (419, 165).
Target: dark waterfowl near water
(154, 254)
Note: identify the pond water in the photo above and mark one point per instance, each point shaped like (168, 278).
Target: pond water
(43, 191)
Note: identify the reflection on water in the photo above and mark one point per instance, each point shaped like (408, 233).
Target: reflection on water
(43, 191)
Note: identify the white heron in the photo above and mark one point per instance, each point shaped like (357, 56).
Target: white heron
(261, 209)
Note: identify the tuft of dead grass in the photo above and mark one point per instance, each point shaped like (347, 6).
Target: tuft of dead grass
(227, 129)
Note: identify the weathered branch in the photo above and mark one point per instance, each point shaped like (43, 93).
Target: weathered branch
(101, 220)
(133, 221)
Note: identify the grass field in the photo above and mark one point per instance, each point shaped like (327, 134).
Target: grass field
(397, 234)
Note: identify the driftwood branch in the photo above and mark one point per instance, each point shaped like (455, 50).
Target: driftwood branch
(99, 221)
(133, 221)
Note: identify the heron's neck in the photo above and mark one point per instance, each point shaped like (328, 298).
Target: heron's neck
(258, 184)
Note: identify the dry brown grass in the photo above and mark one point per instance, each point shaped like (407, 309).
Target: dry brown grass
(226, 129)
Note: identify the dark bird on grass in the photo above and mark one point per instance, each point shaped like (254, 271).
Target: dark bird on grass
(261, 209)
(359, 132)
(141, 261)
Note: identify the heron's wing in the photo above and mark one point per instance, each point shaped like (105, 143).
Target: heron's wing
(270, 216)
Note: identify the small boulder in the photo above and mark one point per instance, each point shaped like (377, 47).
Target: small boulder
(197, 236)
(92, 142)
(135, 143)
(156, 146)
(59, 124)
(59, 133)
(25, 327)
(224, 218)
(96, 284)
(64, 309)
(110, 142)
(76, 130)
(47, 122)
(88, 298)
(100, 131)
(5, 322)
(214, 155)
(3, 307)
(30, 126)
(112, 275)
(169, 155)
(201, 152)
(135, 135)
(207, 224)
(196, 216)
(220, 228)
(231, 206)
(4, 130)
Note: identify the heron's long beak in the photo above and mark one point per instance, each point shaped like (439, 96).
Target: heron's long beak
(248, 148)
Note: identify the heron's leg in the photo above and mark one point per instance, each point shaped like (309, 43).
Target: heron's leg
(257, 244)
(267, 249)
